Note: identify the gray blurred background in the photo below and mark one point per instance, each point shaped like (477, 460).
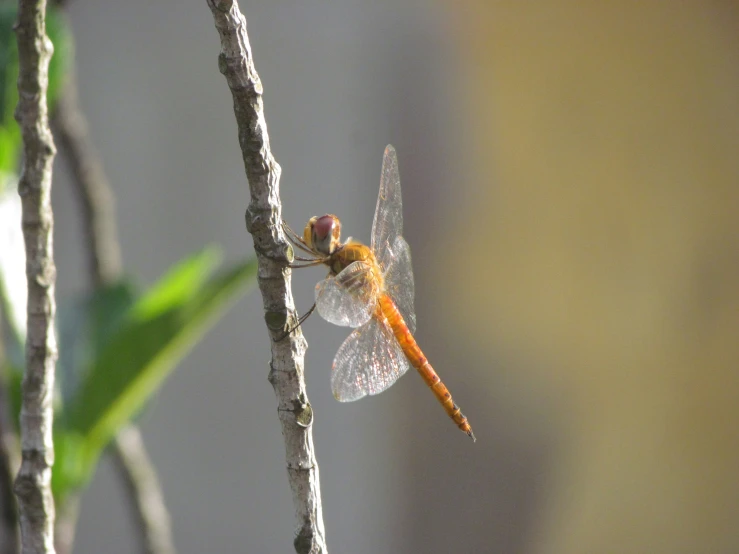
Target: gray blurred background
(569, 177)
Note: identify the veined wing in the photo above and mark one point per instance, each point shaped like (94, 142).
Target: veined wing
(390, 248)
(369, 361)
(388, 222)
(399, 279)
(350, 298)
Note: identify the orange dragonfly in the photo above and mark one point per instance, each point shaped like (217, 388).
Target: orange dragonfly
(371, 289)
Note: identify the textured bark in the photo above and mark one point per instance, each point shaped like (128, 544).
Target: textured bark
(33, 484)
(97, 204)
(263, 218)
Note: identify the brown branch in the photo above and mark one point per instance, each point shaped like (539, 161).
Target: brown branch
(33, 484)
(105, 266)
(263, 217)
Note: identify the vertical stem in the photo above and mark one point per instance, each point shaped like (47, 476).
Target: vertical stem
(33, 484)
(140, 479)
(263, 221)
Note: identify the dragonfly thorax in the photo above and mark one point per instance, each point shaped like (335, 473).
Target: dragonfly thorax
(323, 234)
(353, 251)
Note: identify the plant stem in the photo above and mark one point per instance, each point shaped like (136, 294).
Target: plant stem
(263, 219)
(33, 484)
(142, 483)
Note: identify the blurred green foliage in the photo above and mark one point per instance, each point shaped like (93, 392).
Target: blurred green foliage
(125, 345)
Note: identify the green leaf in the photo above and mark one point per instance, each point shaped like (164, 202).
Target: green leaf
(8, 61)
(10, 134)
(108, 308)
(10, 143)
(84, 325)
(179, 284)
(73, 462)
(11, 376)
(142, 349)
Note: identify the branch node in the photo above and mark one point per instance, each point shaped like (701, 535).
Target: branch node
(276, 321)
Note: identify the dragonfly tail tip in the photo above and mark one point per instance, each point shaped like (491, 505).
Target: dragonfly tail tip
(471, 435)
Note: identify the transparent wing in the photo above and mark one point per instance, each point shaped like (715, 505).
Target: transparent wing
(390, 248)
(369, 361)
(399, 279)
(350, 298)
(388, 222)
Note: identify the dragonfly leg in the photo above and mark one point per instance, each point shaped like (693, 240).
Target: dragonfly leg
(300, 322)
(307, 264)
(301, 246)
(296, 239)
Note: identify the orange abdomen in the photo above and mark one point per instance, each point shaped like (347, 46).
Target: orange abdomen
(418, 360)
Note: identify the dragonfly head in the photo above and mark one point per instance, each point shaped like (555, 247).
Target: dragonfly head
(323, 234)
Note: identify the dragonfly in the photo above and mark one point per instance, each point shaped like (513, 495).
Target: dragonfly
(371, 289)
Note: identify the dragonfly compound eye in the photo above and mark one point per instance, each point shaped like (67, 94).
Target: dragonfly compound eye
(308, 231)
(325, 233)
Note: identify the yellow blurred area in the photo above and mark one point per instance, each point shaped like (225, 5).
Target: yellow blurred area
(603, 229)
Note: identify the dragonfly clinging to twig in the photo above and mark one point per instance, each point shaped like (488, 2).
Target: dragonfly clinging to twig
(371, 289)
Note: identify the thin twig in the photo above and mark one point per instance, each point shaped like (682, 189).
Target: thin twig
(91, 186)
(33, 484)
(141, 480)
(263, 218)
(104, 267)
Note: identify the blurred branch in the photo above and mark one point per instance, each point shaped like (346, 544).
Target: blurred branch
(8, 507)
(33, 484)
(91, 185)
(105, 266)
(9, 463)
(141, 480)
(263, 218)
